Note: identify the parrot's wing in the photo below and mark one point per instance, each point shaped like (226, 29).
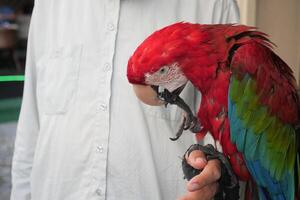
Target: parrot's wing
(263, 109)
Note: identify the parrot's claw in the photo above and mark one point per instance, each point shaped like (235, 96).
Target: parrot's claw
(180, 131)
(192, 124)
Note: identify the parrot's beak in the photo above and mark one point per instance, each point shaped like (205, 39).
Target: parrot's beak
(150, 94)
(147, 95)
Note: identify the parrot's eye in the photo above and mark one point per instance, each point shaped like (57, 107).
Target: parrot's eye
(164, 70)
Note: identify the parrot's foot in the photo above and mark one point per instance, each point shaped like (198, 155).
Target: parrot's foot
(228, 183)
(189, 121)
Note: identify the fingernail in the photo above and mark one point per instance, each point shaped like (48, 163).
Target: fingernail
(194, 186)
(201, 160)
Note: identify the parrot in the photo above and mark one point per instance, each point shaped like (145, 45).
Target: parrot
(249, 100)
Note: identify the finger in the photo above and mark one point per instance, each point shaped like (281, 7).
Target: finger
(206, 193)
(210, 174)
(196, 159)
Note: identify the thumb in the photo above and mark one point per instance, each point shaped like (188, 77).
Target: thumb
(196, 159)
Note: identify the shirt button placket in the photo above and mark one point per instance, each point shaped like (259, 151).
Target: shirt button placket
(103, 107)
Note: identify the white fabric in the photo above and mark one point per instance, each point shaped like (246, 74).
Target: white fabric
(82, 133)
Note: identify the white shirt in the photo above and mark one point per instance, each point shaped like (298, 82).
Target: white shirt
(82, 133)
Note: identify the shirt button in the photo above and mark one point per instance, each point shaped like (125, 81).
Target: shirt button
(100, 148)
(110, 27)
(107, 67)
(103, 107)
(99, 192)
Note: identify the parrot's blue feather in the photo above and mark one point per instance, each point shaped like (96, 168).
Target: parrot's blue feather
(264, 179)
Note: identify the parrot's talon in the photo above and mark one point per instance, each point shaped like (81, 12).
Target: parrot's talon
(177, 137)
(194, 125)
(188, 121)
(180, 131)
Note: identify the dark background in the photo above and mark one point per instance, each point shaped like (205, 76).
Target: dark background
(14, 24)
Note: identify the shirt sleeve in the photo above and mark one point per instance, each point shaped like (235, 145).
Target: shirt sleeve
(27, 129)
(231, 12)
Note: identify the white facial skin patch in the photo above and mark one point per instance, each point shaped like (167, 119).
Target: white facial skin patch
(169, 77)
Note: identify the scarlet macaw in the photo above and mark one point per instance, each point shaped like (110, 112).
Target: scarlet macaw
(249, 99)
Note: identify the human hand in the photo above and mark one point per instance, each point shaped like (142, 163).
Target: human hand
(205, 185)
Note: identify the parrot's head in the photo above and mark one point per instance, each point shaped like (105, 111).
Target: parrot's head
(157, 67)
(160, 60)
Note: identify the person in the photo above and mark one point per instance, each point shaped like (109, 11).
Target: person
(82, 133)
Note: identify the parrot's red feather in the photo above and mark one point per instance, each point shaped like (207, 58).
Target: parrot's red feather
(275, 83)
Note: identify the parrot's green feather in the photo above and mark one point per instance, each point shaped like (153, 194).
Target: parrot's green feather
(276, 135)
(261, 136)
